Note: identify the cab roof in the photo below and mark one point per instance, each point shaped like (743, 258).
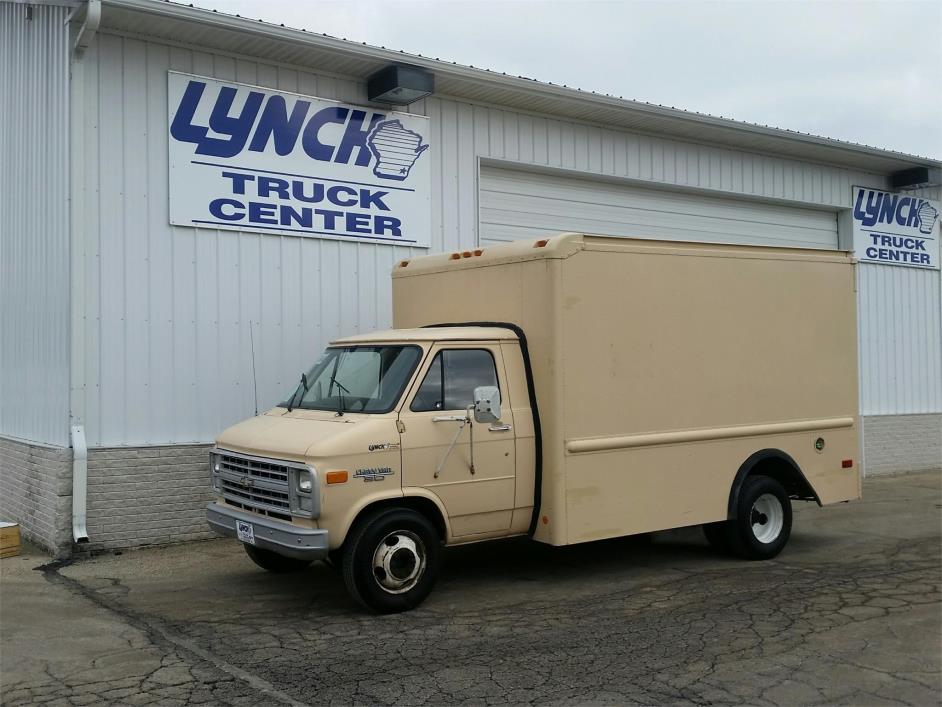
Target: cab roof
(445, 333)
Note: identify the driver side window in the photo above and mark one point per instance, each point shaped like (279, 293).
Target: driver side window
(451, 379)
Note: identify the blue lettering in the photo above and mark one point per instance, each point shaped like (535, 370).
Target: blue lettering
(358, 223)
(330, 218)
(182, 127)
(334, 196)
(317, 192)
(215, 208)
(304, 218)
(262, 213)
(354, 138)
(276, 124)
(888, 208)
(387, 223)
(267, 185)
(236, 127)
(238, 181)
(867, 215)
(913, 219)
(369, 199)
(312, 145)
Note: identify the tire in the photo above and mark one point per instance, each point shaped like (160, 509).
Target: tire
(273, 562)
(763, 520)
(391, 560)
(716, 535)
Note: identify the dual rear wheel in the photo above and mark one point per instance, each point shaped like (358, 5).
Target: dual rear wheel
(762, 525)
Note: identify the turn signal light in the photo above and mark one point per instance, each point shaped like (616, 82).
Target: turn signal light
(336, 477)
(541, 243)
(847, 464)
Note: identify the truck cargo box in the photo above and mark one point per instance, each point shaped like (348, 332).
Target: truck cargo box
(660, 368)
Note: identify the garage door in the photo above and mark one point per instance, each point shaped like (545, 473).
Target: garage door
(517, 205)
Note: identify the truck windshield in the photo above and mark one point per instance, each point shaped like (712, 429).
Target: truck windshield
(356, 379)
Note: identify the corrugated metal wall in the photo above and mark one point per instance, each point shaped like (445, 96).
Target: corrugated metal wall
(169, 308)
(34, 223)
(900, 322)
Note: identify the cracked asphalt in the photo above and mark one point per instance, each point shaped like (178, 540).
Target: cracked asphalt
(848, 614)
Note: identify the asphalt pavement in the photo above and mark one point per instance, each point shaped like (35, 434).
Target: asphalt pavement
(849, 613)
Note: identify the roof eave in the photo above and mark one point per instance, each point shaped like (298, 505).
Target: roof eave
(671, 121)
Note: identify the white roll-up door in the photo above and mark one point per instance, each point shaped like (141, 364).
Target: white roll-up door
(519, 204)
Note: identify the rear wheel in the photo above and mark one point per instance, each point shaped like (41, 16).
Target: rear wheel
(391, 560)
(273, 562)
(763, 520)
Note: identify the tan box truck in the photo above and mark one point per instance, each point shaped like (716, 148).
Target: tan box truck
(572, 388)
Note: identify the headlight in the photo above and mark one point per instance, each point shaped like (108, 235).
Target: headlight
(305, 483)
(214, 470)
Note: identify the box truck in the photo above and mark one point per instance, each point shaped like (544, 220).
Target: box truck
(572, 389)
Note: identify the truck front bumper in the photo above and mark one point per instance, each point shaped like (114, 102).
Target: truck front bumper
(277, 536)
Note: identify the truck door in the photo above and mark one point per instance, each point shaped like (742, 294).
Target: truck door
(478, 502)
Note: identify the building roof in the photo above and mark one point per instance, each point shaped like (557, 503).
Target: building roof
(210, 29)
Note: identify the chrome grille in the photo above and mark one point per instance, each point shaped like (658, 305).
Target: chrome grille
(255, 468)
(256, 484)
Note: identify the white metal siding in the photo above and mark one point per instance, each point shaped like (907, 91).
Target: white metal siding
(34, 223)
(519, 204)
(168, 308)
(900, 329)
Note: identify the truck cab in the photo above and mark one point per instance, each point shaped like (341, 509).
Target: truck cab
(392, 444)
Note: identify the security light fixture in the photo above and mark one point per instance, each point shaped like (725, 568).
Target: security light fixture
(400, 85)
(916, 177)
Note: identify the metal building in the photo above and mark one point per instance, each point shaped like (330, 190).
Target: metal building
(129, 322)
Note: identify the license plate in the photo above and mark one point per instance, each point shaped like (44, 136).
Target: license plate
(245, 532)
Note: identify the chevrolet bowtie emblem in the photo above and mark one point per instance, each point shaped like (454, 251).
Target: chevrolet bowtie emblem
(246, 482)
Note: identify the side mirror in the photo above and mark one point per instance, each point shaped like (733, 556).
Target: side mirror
(486, 404)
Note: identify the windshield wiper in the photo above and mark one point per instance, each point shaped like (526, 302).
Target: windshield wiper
(340, 387)
(302, 386)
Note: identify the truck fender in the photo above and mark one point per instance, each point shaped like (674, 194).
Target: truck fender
(775, 459)
(393, 498)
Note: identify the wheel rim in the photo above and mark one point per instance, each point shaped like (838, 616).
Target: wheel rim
(399, 562)
(767, 518)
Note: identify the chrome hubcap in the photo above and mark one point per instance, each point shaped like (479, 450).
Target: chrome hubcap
(399, 562)
(767, 518)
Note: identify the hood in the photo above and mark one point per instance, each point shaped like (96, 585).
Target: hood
(302, 434)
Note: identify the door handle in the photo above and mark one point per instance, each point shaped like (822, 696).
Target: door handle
(499, 428)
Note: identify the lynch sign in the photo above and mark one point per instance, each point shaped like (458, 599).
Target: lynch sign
(895, 229)
(251, 159)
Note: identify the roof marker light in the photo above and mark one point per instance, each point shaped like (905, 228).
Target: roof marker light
(455, 256)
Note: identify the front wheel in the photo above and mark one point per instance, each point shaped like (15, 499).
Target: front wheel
(763, 520)
(391, 560)
(273, 562)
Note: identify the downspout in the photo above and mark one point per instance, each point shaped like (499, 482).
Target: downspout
(77, 334)
(86, 32)
(79, 484)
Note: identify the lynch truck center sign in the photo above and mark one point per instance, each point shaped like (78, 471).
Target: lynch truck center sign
(896, 229)
(252, 159)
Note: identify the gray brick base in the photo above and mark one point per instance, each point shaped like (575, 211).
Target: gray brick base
(36, 492)
(898, 443)
(147, 495)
